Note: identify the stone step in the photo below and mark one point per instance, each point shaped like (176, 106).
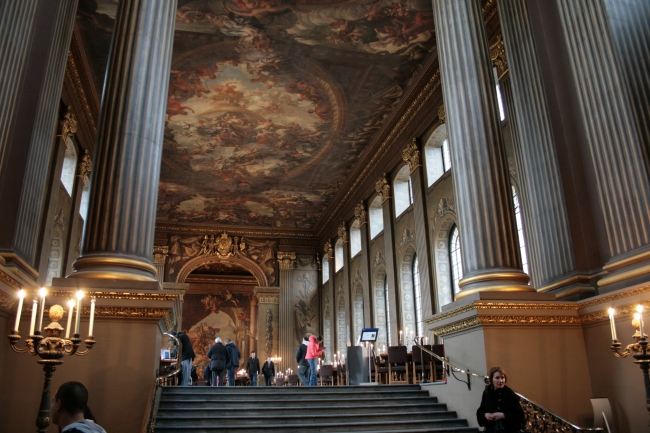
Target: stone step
(367, 425)
(290, 396)
(305, 402)
(307, 406)
(224, 419)
(316, 389)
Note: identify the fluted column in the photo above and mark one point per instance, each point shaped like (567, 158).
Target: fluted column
(411, 156)
(347, 334)
(488, 232)
(368, 300)
(124, 192)
(287, 262)
(614, 141)
(549, 245)
(382, 187)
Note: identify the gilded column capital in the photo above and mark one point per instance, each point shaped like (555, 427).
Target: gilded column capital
(68, 126)
(441, 113)
(382, 187)
(267, 295)
(498, 56)
(85, 168)
(360, 213)
(329, 250)
(343, 233)
(411, 156)
(287, 260)
(160, 254)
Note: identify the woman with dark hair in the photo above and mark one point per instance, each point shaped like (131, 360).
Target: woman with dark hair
(500, 410)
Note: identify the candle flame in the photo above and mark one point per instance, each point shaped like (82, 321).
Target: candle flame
(611, 312)
(42, 292)
(639, 308)
(21, 293)
(71, 303)
(80, 294)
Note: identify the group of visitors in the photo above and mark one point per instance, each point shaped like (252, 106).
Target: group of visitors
(226, 357)
(307, 355)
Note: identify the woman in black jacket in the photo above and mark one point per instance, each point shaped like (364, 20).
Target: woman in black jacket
(500, 410)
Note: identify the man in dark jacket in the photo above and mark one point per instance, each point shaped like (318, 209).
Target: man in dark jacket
(219, 356)
(187, 356)
(268, 370)
(303, 365)
(233, 361)
(67, 410)
(253, 368)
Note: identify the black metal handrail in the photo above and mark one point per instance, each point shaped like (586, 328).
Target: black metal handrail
(448, 366)
(175, 372)
(160, 379)
(538, 418)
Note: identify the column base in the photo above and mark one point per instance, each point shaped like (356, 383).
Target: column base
(626, 270)
(506, 280)
(572, 287)
(113, 267)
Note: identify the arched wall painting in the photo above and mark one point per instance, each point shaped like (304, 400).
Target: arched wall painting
(218, 314)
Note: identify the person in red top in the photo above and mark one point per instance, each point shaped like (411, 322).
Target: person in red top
(314, 351)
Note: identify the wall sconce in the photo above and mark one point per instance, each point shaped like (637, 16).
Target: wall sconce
(51, 347)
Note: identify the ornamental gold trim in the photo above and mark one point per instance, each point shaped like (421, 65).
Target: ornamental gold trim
(266, 298)
(117, 295)
(442, 115)
(286, 260)
(7, 302)
(68, 126)
(619, 311)
(475, 321)
(329, 250)
(9, 280)
(127, 312)
(460, 325)
(498, 56)
(343, 234)
(616, 296)
(411, 156)
(382, 187)
(360, 213)
(85, 168)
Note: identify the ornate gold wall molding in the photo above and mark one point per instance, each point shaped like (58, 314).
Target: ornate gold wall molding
(68, 126)
(9, 280)
(498, 55)
(474, 321)
(616, 296)
(327, 248)
(442, 115)
(117, 295)
(360, 213)
(128, 312)
(460, 325)
(160, 254)
(286, 260)
(382, 187)
(85, 168)
(268, 298)
(627, 310)
(73, 72)
(411, 156)
(7, 302)
(168, 321)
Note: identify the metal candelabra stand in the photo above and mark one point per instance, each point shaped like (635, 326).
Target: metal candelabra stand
(50, 347)
(638, 349)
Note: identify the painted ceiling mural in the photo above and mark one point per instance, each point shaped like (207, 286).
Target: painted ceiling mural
(271, 101)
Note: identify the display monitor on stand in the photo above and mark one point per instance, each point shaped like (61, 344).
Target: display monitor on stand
(369, 336)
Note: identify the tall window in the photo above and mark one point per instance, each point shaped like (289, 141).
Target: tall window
(338, 255)
(418, 297)
(520, 231)
(376, 217)
(446, 156)
(355, 239)
(502, 111)
(69, 167)
(403, 191)
(455, 259)
(387, 301)
(326, 268)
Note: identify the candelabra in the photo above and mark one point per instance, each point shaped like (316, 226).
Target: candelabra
(51, 347)
(638, 349)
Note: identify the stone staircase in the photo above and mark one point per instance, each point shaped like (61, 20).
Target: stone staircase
(395, 408)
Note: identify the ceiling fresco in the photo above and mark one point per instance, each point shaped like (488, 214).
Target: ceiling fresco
(271, 102)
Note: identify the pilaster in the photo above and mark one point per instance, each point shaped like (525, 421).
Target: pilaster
(361, 216)
(287, 262)
(268, 300)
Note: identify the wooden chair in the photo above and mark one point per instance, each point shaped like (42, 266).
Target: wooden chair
(279, 381)
(422, 364)
(397, 365)
(294, 380)
(378, 371)
(326, 375)
(438, 367)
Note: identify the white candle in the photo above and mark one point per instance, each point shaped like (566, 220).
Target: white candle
(70, 310)
(639, 309)
(33, 322)
(611, 323)
(42, 292)
(426, 340)
(21, 296)
(80, 295)
(92, 316)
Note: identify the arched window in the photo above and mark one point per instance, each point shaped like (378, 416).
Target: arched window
(355, 239)
(403, 191)
(436, 155)
(387, 301)
(326, 268)
(455, 259)
(376, 217)
(520, 231)
(417, 294)
(338, 255)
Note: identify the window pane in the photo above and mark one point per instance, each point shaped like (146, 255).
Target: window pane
(456, 260)
(338, 258)
(520, 231)
(69, 167)
(326, 268)
(418, 297)
(401, 197)
(376, 221)
(355, 241)
(446, 156)
(435, 167)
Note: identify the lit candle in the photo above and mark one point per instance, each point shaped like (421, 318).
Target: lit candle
(80, 295)
(400, 335)
(33, 322)
(639, 309)
(384, 348)
(92, 316)
(21, 296)
(42, 292)
(426, 340)
(70, 310)
(611, 323)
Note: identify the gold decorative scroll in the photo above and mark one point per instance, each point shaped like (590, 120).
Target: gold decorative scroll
(411, 156)
(329, 250)
(474, 321)
(68, 126)
(221, 246)
(441, 114)
(160, 254)
(498, 55)
(343, 233)
(117, 295)
(85, 168)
